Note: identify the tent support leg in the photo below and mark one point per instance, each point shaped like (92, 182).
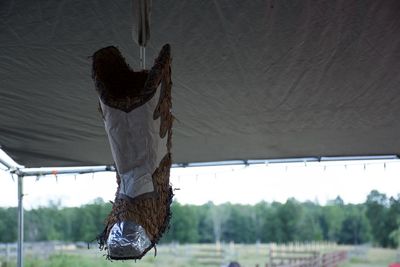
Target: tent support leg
(20, 251)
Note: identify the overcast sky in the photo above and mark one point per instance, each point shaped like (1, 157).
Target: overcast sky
(318, 181)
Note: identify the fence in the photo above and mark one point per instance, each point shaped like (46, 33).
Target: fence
(293, 255)
(333, 258)
(8, 251)
(308, 255)
(293, 258)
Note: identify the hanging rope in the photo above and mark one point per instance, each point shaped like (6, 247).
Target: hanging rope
(141, 29)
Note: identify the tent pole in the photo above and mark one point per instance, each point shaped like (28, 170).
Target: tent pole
(20, 251)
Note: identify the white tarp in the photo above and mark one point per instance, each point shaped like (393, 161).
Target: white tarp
(252, 79)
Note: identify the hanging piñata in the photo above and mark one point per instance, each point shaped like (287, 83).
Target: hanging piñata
(138, 121)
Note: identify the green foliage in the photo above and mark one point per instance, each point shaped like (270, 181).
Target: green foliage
(240, 225)
(289, 215)
(393, 222)
(271, 230)
(8, 224)
(383, 215)
(55, 223)
(377, 220)
(308, 226)
(184, 224)
(330, 220)
(355, 227)
(205, 226)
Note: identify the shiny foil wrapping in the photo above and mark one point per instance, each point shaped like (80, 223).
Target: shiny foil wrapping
(127, 240)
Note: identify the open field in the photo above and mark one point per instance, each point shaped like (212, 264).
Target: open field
(374, 257)
(208, 255)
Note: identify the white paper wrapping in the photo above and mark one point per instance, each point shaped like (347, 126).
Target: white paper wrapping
(136, 145)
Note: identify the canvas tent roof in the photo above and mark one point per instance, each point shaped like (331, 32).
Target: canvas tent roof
(252, 79)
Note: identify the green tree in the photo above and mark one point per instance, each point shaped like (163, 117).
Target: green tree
(355, 227)
(271, 230)
(184, 224)
(392, 222)
(289, 215)
(219, 215)
(240, 225)
(205, 223)
(377, 208)
(43, 224)
(330, 221)
(308, 225)
(8, 225)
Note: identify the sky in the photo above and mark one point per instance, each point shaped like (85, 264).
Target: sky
(314, 181)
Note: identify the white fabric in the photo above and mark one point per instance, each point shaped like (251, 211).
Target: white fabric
(136, 145)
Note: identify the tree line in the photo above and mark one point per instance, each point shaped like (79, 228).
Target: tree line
(376, 221)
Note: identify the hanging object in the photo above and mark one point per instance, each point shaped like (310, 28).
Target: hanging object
(138, 121)
(141, 29)
(141, 15)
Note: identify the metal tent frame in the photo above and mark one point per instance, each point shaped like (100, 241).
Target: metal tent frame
(16, 169)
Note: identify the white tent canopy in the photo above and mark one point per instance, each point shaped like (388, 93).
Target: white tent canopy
(252, 79)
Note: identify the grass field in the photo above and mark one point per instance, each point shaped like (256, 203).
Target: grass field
(196, 256)
(374, 257)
